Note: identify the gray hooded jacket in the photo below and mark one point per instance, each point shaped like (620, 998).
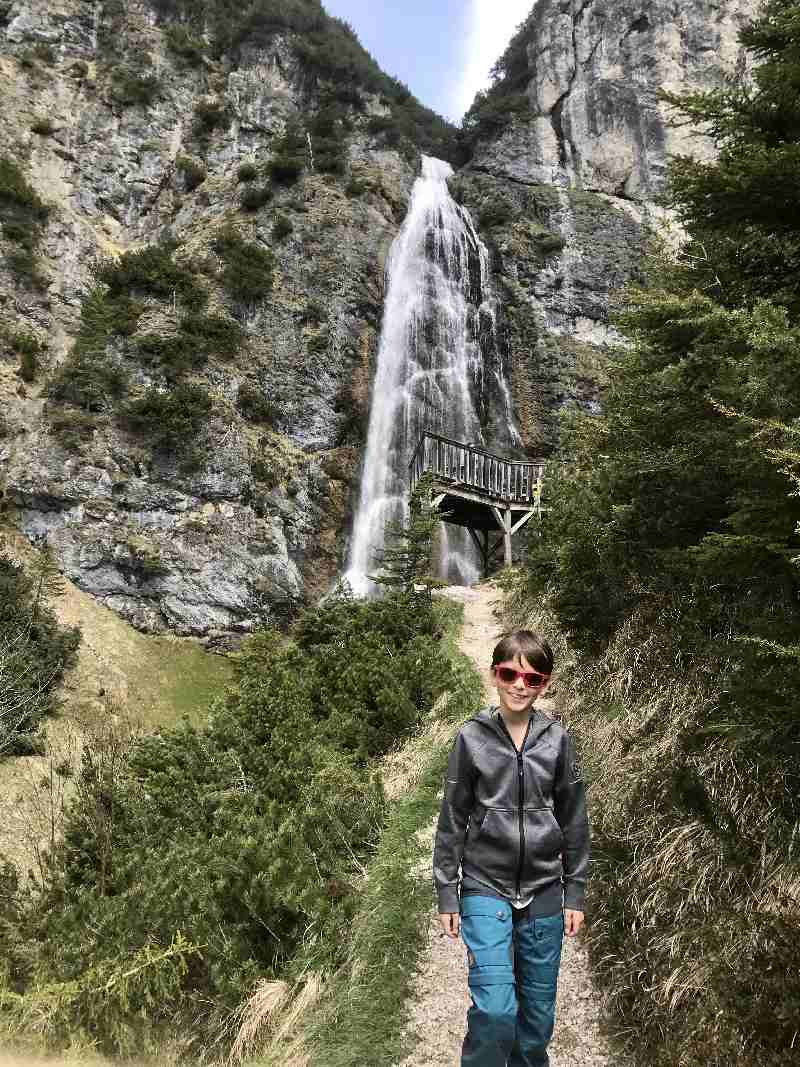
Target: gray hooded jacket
(509, 819)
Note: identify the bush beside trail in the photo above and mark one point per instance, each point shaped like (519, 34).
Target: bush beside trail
(207, 858)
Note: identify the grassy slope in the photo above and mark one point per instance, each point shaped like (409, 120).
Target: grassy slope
(148, 681)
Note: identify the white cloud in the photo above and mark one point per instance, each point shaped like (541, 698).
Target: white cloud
(490, 26)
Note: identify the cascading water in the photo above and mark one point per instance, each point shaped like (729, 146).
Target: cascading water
(438, 367)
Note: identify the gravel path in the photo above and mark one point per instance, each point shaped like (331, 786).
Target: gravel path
(441, 998)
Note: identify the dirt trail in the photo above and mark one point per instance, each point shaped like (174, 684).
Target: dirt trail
(441, 999)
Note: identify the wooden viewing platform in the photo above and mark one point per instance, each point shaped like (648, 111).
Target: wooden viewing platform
(480, 491)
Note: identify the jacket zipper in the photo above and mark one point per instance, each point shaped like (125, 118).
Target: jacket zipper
(521, 800)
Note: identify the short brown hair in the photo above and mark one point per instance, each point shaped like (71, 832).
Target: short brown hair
(533, 647)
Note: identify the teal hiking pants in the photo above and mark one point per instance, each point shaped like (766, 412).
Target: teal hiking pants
(513, 974)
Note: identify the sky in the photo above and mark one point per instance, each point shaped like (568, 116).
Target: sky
(442, 49)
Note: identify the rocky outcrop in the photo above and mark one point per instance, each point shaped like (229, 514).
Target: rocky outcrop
(132, 131)
(595, 68)
(566, 189)
(258, 520)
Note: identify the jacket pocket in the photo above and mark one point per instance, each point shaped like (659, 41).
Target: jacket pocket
(494, 849)
(543, 837)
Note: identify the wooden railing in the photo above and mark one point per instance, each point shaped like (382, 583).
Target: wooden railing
(474, 468)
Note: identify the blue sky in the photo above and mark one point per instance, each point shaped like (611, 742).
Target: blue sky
(442, 49)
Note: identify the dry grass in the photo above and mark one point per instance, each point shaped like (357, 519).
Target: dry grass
(272, 1023)
(689, 936)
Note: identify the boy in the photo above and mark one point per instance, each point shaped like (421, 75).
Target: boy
(513, 819)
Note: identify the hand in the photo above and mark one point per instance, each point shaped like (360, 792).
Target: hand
(450, 923)
(573, 921)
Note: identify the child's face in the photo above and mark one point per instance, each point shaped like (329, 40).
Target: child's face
(516, 697)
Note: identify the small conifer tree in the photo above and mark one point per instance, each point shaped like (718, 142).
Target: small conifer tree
(407, 560)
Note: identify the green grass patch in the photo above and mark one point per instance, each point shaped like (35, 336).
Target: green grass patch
(179, 679)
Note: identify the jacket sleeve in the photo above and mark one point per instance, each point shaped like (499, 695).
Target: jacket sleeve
(451, 830)
(569, 796)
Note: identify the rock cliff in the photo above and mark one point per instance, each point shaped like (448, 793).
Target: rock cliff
(196, 204)
(569, 149)
(121, 131)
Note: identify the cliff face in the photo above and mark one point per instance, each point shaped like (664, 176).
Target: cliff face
(571, 148)
(594, 69)
(191, 268)
(129, 138)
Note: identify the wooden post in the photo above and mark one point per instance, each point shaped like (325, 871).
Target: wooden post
(507, 536)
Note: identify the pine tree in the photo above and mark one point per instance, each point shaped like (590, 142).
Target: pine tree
(406, 562)
(674, 527)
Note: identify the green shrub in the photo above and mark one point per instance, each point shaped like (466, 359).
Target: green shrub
(169, 421)
(45, 53)
(550, 243)
(22, 342)
(209, 115)
(264, 472)
(495, 213)
(175, 354)
(43, 126)
(28, 348)
(22, 233)
(214, 335)
(28, 366)
(133, 88)
(194, 173)
(151, 270)
(255, 196)
(318, 343)
(89, 378)
(72, 429)
(24, 265)
(247, 172)
(255, 405)
(285, 170)
(124, 314)
(328, 131)
(23, 215)
(355, 188)
(183, 43)
(313, 313)
(34, 654)
(281, 228)
(248, 835)
(247, 272)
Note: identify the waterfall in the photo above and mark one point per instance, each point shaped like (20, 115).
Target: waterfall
(439, 367)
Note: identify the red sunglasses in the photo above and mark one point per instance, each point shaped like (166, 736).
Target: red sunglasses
(532, 679)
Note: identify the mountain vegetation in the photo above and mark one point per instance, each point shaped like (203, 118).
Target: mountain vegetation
(332, 60)
(35, 651)
(670, 559)
(494, 109)
(199, 860)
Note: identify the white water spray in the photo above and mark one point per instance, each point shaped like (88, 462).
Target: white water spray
(438, 346)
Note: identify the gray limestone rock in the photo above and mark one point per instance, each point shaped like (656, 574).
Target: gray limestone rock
(565, 192)
(596, 67)
(211, 548)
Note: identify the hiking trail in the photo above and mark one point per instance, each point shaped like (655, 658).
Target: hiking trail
(440, 992)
